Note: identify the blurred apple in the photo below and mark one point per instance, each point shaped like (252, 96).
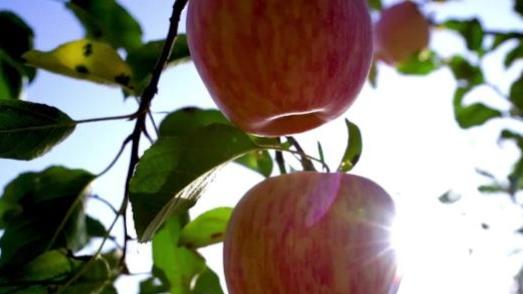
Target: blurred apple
(281, 67)
(311, 233)
(401, 31)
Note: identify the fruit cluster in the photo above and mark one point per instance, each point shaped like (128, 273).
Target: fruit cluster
(276, 68)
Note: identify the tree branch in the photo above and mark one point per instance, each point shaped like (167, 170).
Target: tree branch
(143, 109)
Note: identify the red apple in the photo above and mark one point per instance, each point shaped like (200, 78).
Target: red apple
(280, 67)
(401, 31)
(311, 233)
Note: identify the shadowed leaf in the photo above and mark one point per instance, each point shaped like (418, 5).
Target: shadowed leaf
(41, 211)
(107, 21)
(29, 130)
(16, 37)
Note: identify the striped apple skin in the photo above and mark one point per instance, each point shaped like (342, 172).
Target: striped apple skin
(401, 31)
(311, 233)
(281, 67)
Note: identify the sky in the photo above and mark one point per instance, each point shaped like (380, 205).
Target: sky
(412, 147)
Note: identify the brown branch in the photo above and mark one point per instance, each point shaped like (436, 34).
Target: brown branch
(143, 109)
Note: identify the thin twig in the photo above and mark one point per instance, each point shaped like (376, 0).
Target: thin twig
(113, 162)
(68, 124)
(104, 201)
(305, 161)
(153, 123)
(100, 119)
(89, 263)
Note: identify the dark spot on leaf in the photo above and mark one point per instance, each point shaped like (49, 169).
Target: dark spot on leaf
(189, 245)
(122, 79)
(97, 34)
(88, 49)
(82, 69)
(217, 235)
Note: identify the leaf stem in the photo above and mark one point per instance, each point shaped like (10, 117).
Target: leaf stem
(304, 159)
(104, 201)
(118, 155)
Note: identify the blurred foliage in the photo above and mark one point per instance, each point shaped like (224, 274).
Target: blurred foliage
(16, 37)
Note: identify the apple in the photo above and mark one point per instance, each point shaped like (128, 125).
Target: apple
(401, 31)
(311, 233)
(281, 67)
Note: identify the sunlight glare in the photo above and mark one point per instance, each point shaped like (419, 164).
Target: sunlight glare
(432, 248)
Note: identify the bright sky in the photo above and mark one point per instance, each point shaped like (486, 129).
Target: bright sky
(412, 147)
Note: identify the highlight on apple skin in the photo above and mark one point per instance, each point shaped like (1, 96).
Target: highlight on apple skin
(401, 31)
(281, 67)
(310, 232)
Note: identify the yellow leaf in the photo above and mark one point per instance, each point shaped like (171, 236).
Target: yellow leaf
(84, 59)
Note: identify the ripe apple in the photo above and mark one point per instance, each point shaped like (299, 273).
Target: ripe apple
(280, 67)
(311, 233)
(401, 31)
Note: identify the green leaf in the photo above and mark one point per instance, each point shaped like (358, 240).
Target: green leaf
(207, 283)
(97, 279)
(516, 176)
(94, 227)
(175, 170)
(55, 268)
(465, 73)
(259, 161)
(513, 55)
(188, 120)
(152, 286)
(449, 197)
(29, 130)
(419, 64)
(492, 189)
(143, 59)
(354, 148)
(518, 6)
(16, 37)
(501, 38)
(373, 75)
(375, 4)
(474, 114)
(49, 265)
(10, 79)
(471, 30)
(208, 228)
(41, 211)
(516, 93)
(84, 59)
(107, 21)
(510, 135)
(176, 266)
